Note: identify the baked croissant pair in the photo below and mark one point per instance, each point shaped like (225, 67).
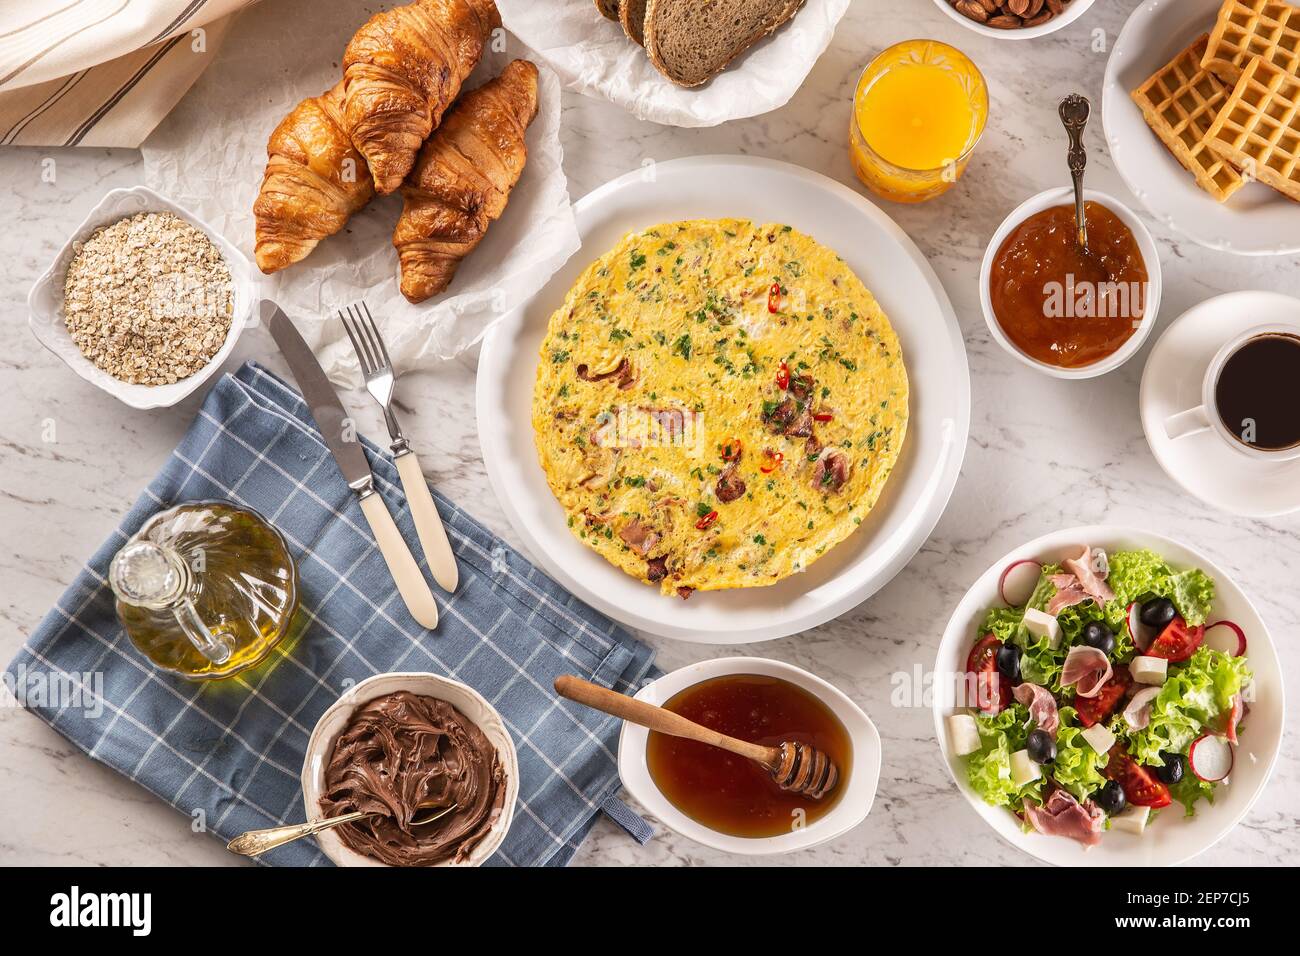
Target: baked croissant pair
(371, 133)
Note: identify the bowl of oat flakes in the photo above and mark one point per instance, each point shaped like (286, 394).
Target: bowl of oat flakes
(144, 300)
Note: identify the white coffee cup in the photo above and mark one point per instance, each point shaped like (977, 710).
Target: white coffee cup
(1205, 416)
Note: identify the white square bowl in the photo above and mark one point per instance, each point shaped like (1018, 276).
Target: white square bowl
(45, 301)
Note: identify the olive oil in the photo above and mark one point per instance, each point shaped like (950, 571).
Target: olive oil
(205, 589)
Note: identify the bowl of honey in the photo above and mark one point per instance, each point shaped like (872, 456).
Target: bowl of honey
(729, 802)
(1067, 311)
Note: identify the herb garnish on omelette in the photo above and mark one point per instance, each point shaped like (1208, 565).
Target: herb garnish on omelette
(718, 404)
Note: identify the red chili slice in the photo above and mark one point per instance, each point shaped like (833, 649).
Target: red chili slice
(823, 416)
(783, 376)
(774, 298)
(707, 520)
(731, 449)
(771, 462)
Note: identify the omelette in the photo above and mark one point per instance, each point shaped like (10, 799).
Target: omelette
(718, 404)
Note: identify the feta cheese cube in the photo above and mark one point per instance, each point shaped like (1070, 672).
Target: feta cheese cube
(1023, 769)
(1149, 670)
(1041, 624)
(1132, 820)
(963, 734)
(1099, 738)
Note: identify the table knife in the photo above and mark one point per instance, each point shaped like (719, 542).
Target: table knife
(335, 426)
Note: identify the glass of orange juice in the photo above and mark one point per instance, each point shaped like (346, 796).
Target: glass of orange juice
(919, 109)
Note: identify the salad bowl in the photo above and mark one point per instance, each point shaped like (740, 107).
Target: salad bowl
(1171, 837)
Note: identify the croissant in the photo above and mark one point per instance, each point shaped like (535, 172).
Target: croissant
(314, 181)
(462, 179)
(402, 71)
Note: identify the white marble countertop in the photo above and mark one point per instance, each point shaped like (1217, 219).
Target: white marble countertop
(1043, 454)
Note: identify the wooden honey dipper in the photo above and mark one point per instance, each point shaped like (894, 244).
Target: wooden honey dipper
(796, 767)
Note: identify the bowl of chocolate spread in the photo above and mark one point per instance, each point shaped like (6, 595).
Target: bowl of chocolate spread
(396, 741)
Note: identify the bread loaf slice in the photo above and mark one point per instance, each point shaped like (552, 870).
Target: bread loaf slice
(691, 41)
(631, 13)
(608, 9)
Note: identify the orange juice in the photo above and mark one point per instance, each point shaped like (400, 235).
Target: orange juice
(919, 109)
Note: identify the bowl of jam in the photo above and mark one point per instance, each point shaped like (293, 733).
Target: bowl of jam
(1065, 311)
(728, 802)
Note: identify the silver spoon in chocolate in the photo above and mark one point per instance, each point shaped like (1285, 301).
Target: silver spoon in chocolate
(257, 842)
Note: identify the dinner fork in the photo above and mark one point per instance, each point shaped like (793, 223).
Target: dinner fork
(380, 381)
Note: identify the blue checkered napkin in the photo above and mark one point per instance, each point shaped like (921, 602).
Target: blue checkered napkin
(233, 749)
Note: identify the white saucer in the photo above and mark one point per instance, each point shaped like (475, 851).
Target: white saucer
(1203, 464)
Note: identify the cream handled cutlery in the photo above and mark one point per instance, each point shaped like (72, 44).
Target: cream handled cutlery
(340, 437)
(380, 379)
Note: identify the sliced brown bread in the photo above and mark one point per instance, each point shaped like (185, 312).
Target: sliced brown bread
(690, 41)
(608, 9)
(631, 13)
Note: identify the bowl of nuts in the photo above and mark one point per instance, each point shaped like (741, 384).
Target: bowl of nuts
(1015, 19)
(144, 300)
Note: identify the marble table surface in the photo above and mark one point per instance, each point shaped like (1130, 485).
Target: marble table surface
(1043, 454)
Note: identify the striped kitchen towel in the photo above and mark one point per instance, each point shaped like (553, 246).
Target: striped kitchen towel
(101, 72)
(229, 753)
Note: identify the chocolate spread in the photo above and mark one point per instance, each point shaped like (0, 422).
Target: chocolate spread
(398, 752)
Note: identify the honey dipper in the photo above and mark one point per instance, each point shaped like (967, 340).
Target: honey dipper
(796, 767)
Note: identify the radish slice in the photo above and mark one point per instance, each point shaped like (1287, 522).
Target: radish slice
(1138, 712)
(1227, 638)
(1210, 758)
(1018, 581)
(1141, 634)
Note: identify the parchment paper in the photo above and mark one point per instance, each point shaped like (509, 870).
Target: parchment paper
(594, 56)
(210, 153)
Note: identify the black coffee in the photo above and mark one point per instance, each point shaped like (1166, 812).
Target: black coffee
(1258, 392)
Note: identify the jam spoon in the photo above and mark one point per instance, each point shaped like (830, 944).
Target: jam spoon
(794, 766)
(257, 842)
(1075, 110)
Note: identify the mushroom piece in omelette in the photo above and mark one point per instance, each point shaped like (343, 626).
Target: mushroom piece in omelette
(718, 404)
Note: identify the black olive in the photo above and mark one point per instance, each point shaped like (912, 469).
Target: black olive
(1098, 635)
(1009, 662)
(1041, 746)
(1157, 612)
(1171, 771)
(1110, 798)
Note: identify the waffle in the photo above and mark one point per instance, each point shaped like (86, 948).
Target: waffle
(1258, 129)
(1250, 28)
(1180, 103)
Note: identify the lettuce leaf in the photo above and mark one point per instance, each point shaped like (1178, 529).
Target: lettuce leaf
(1194, 696)
(1078, 766)
(989, 768)
(1143, 573)
(1190, 789)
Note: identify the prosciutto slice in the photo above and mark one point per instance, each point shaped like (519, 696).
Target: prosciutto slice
(1092, 582)
(1041, 704)
(1087, 669)
(1068, 593)
(1062, 815)
(1138, 712)
(1080, 581)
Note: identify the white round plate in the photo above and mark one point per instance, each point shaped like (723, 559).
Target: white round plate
(1203, 465)
(1171, 838)
(917, 492)
(859, 786)
(1257, 221)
